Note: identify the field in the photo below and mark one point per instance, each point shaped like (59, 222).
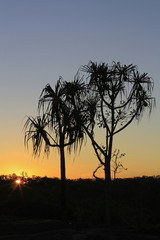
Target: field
(32, 210)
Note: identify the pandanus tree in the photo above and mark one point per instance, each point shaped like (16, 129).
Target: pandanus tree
(56, 126)
(115, 96)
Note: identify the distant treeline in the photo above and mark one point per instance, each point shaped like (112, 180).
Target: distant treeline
(135, 201)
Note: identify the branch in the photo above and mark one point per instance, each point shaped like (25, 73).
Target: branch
(98, 156)
(125, 104)
(56, 144)
(132, 118)
(94, 173)
(93, 141)
(104, 120)
(70, 142)
(48, 142)
(102, 97)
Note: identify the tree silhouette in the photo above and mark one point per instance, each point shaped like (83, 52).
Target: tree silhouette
(56, 126)
(122, 95)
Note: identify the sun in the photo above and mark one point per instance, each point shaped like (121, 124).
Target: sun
(18, 181)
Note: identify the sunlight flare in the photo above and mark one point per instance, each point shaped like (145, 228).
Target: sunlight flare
(18, 181)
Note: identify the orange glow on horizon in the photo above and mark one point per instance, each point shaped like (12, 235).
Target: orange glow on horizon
(82, 164)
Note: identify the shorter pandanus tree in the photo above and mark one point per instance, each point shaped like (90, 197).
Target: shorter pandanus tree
(56, 126)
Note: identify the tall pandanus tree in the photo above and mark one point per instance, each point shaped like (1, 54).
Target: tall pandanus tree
(56, 126)
(123, 94)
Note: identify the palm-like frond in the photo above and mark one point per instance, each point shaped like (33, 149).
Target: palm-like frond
(35, 131)
(75, 94)
(52, 102)
(75, 88)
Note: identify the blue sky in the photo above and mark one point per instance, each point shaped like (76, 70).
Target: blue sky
(41, 40)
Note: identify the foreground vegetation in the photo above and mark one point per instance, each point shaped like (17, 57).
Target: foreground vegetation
(135, 202)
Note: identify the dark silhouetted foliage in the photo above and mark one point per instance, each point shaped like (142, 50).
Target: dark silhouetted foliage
(135, 202)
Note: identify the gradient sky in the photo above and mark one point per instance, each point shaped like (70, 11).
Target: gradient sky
(41, 40)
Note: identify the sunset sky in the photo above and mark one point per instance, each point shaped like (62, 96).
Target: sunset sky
(41, 40)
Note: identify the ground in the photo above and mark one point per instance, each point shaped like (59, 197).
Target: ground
(33, 210)
(13, 228)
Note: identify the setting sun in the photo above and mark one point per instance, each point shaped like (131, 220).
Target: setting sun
(18, 181)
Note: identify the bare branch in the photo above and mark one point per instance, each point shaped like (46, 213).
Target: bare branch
(94, 172)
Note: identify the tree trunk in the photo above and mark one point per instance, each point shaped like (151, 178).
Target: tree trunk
(107, 191)
(114, 175)
(63, 183)
(108, 197)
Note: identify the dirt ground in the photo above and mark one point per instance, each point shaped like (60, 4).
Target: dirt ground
(13, 228)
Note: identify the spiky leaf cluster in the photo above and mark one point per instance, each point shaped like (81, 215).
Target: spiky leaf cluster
(122, 91)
